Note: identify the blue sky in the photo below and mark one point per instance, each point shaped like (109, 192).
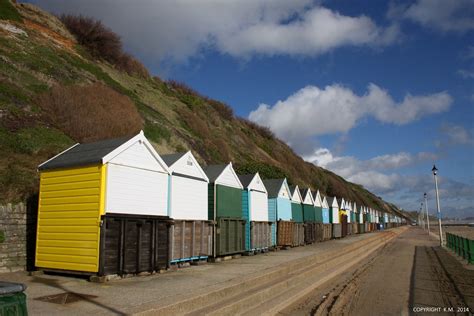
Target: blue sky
(374, 91)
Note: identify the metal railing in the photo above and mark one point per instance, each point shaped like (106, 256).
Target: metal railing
(463, 247)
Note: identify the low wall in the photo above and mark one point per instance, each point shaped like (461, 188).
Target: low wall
(17, 236)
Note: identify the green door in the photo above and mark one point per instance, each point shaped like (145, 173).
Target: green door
(228, 202)
(297, 212)
(309, 213)
(319, 214)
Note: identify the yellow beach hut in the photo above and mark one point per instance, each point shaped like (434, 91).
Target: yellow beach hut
(102, 208)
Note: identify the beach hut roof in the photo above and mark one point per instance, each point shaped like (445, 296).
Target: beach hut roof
(214, 172)
(184, 164)
(83, 154)
(318, 202)
(274, 186)
(101, 152)
(296, 193)
(171, 159)
(341, 203)
(348, 205)
(305, 191)
(252, 182)
(307, 196)
(246, 179)
(332, 201)
(325, 202)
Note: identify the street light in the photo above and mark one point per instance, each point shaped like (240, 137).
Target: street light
(422, 220)
(435, 173)
(423, 216)
(427, 214)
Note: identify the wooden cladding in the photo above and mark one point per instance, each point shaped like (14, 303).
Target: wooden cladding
(298, 235)
(327, 231)
(133, 244)
(343, 225)
(355, 228)
(319, 231)
(260, 235)
(290, 234)
(230, 236)
(190, 240)
(336, 230)
(70, 205)
(309, 233)
(285, 233)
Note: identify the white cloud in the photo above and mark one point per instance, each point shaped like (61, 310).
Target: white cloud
(444, 15)
(466, 74)
(336, 108)
(385, 109)
(369, 173)
(321, 157)
(317, 31)
(179, 29)
(377, 181)
(382, 176)
(457, 134)
(314, 109)
(349, 167)
(399, 160)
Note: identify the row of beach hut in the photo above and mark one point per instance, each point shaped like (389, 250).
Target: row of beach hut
(118, 207)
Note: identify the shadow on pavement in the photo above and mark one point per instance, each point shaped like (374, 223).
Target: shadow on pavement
(439, 283)
(83, 297)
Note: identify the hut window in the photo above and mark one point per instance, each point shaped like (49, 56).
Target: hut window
(190, 162)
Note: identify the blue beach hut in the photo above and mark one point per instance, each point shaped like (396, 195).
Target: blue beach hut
(279, 202)
(255, 213)
(325, 211)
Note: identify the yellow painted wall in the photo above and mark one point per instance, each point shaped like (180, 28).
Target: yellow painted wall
(341, 212)
(71, 202)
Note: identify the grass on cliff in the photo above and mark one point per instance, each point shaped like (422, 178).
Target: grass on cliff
(90, 112)
(9, 12)
(26, 148)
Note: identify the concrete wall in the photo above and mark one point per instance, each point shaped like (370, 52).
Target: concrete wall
(17, 236)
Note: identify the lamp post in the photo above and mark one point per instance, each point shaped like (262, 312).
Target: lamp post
(427, 214)
(422, 216)
(421, 219)
(422, 222)
(435, 173)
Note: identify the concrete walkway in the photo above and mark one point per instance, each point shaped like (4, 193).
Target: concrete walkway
(411, 275)
(139, 294)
